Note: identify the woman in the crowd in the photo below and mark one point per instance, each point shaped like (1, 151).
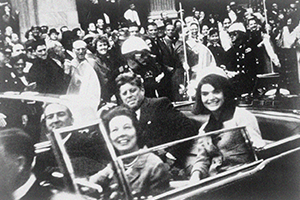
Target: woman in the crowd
(147, 174)
(204, 34)
(217, 153)
(18, 80)
(105, 67)
(78, 33)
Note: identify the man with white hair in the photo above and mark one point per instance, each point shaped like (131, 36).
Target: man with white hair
(84, 81)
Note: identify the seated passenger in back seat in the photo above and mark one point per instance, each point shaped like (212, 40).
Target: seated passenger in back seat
(146, 173)
(218, 153)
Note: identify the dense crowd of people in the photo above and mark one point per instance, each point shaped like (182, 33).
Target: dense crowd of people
(168, 53)
(131, 75)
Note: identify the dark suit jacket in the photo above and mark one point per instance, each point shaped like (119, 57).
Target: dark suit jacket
(37, 192)
(149, 72)
(160, 123)
(7, 83)
(169, 58)
(242, 59)
(49, 77)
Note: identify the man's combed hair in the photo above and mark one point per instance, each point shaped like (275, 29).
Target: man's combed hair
(48, 104)
(129, 77)
(213, 31)
(37, 43)
(16, 142)
(150, 24)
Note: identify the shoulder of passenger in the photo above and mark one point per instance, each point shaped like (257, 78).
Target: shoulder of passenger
(162, 101)
(153, 160)
(243, 113)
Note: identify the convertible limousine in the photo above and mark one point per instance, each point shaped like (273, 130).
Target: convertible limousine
(275, 173)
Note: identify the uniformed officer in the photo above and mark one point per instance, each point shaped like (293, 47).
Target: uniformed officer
(139, 61)
(241, 65)
(6, 80)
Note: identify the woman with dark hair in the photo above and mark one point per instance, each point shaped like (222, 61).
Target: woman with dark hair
(178, 29)
(220, 152)
(105, 67)
(78, 33)
(147, 174)
(204, 30)
(18, 81)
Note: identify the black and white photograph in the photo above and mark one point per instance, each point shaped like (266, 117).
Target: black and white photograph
(149, 99)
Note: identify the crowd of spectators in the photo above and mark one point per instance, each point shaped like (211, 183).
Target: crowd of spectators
(144, 67)
(174, 56)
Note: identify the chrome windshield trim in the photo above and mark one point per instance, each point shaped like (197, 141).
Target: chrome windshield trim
(240, 173)
(169, 144)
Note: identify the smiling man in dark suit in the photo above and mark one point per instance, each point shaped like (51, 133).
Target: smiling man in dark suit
(159, 120)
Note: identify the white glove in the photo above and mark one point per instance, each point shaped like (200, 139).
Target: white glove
(159, 77)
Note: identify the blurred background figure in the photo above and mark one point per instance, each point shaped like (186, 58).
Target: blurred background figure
(16, 158)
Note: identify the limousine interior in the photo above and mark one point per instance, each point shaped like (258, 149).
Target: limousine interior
(275, 173)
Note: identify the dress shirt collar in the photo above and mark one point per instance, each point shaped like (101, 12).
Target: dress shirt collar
(214, 45)
(138, 114)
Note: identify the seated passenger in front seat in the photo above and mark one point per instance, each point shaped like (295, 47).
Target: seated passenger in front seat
(86, 158)
(147, 174)
(218, 153)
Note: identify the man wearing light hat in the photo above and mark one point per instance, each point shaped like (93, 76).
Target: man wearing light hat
(241, 65)
(139, 61)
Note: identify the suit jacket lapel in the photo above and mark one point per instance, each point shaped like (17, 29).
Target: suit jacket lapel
(145, 110)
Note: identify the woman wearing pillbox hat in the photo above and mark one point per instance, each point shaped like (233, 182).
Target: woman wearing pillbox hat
(218, 153)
